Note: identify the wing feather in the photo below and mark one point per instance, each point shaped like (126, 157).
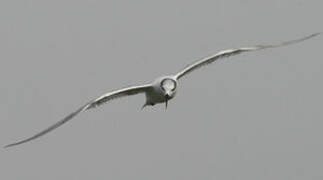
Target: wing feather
(92, 104)
(231, 52)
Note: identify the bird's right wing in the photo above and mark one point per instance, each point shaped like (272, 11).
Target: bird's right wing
(231, 52)
(92, 104)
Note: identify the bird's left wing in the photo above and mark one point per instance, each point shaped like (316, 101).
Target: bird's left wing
(92, 104)
(231, 52)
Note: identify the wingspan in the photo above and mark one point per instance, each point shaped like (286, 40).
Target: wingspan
(231, 52)
(92, 104)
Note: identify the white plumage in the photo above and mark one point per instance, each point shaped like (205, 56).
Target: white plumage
(162, 89)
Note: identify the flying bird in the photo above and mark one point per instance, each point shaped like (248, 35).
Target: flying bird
(162, 89)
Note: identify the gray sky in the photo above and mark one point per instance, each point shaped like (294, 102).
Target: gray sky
(254, 116)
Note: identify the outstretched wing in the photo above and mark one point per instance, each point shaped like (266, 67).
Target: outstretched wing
(94, 103)
(231, 52)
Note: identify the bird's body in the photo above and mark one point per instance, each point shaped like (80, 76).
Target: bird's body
(156, 94)
(162, 89)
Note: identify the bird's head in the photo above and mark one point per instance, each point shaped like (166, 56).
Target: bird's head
(169, 87)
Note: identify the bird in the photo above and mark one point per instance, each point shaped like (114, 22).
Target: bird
(160, 90)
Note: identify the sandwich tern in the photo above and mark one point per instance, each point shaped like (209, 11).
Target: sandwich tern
(162, 89)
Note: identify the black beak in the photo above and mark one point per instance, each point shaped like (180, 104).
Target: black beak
(167, 98)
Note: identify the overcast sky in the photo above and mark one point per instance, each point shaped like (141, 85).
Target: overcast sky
(250, 117)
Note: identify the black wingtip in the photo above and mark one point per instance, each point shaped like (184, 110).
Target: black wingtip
(315, 34)
(7, 146)
(19, 142)
(10, 145)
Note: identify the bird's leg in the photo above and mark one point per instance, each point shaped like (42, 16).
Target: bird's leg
(147, 104)
(144, 106)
